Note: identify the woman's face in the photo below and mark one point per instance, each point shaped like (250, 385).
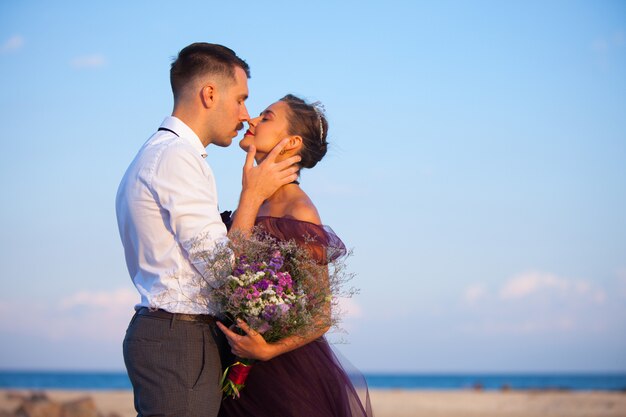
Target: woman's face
(266, 130)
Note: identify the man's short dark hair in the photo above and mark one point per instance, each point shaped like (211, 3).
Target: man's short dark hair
(204, 58)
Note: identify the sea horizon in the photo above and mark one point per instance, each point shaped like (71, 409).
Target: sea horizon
(574, 381)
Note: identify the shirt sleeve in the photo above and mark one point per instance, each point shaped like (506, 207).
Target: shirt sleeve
(186, 191)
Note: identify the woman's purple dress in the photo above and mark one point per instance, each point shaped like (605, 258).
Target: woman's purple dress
(308, 381)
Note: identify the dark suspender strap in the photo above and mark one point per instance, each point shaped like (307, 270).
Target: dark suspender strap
(168, 130)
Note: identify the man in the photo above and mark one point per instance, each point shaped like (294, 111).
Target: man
(168, 221)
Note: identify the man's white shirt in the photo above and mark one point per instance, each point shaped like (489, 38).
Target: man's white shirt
(168, 219)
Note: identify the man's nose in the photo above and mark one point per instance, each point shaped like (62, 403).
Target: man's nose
(244, 116)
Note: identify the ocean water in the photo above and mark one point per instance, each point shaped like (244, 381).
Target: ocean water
(119, 380)
(576, 382)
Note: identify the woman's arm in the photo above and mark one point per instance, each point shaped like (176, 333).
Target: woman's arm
(253, 346)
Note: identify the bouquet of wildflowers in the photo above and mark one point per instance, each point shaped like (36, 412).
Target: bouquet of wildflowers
(280, 291)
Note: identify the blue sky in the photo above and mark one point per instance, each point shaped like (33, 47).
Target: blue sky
(478, 169)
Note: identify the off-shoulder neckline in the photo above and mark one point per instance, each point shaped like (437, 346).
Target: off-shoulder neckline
(290, 219)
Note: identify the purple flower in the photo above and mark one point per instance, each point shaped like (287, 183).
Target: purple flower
(268, 312)
(262, 285)
(263, 327)
(277, 261)
(283, 308)
(279, 290)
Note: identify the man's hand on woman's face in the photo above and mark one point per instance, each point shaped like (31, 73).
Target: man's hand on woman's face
(264, 179)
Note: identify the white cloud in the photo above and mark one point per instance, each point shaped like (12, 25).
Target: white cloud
(88, 61)
(523, 326)
(13, 43)
(474, 293)
(94, 315)
(531, 282)
(535, 282)
(100, 299)
(599, 296)
(349, 308)
(538, 302)
(582, 287)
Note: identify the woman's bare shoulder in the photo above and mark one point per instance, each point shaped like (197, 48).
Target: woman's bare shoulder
(302, 208)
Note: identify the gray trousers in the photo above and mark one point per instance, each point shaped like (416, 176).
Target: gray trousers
(174, 367)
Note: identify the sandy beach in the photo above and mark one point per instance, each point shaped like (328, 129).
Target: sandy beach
(404, 403)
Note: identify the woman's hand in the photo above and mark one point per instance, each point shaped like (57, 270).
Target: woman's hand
(249, 346)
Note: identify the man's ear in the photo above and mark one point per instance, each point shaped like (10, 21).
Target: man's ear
(208, 95)
(295, 143)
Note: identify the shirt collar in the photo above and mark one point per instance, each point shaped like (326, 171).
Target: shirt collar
(185, 133)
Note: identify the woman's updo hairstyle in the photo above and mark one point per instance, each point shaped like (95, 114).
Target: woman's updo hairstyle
(309, 122)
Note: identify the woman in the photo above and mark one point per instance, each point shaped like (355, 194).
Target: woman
(298, 375)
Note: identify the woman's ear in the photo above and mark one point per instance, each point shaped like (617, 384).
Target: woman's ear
(207, 95)
(295, 143)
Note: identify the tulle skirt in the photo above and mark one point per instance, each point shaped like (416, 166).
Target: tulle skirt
(308, 381)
